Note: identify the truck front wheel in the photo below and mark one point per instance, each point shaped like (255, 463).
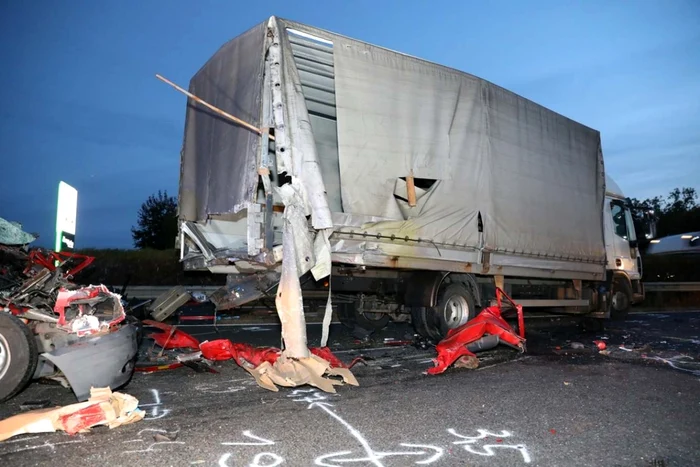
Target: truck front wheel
(621, 297)
(18, 356)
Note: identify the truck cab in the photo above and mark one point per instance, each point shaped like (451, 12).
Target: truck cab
(624, 262)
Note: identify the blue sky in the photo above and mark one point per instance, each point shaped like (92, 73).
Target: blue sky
(80, 102)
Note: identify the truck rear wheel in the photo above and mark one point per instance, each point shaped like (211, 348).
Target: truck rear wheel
(455, 306)
(18, 356)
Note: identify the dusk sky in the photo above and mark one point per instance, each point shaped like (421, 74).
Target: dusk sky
(80, 102)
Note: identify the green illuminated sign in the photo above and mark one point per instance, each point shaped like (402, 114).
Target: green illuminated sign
(66, 214)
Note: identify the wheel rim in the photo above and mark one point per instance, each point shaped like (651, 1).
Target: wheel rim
(456, 311)
(4, 356)
(620, 301)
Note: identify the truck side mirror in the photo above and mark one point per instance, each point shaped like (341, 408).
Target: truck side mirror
(649, 225)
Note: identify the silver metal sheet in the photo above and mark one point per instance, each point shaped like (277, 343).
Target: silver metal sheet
(100, 361)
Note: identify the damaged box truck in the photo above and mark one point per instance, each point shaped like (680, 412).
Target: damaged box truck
(404, 189)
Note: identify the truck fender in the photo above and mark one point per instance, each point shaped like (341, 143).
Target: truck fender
(422, 287)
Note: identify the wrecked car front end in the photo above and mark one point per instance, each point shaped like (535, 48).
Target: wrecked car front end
(56, 329)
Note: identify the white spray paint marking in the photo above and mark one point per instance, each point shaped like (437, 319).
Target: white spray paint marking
(215, 389)
(156, 412)
(248, 434)
(468, 442)
(257, 460)
(673, 362)
(276, 460)
(10, 441)
(46, 444)
(258, 441)
(316, 399)
(152, 447)
(337, 458)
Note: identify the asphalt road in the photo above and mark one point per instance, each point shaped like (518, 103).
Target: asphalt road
(552, 406)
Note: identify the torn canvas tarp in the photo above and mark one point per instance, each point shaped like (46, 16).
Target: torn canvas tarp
(492, 170)
(103, 408)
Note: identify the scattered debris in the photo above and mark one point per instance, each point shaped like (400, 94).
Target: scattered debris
(103, 408)
(390, 341)
(604, 352)
(600, 344)
(622, 347)
(81, 333)
(172, 338)
(268, 365)
(165, 437)
(484, 332)
(577, 346)
(566, 383)
(88, 310)
(166, 304)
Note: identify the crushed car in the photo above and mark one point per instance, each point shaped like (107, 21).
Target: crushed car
(51, 327)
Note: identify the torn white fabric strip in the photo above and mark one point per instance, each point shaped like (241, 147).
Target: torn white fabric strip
(322, 268)
(327, 317)
(289, 304)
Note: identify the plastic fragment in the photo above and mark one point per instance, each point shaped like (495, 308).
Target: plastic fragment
(171, 338)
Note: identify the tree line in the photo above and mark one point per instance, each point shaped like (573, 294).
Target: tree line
(677, 213)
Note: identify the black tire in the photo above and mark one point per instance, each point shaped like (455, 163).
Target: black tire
(350, 317)
(455, 306)
(621, 298)
(18, 346)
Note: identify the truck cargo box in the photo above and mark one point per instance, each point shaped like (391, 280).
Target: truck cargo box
(398, 162)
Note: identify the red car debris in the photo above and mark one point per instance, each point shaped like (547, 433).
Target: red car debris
(485, 331)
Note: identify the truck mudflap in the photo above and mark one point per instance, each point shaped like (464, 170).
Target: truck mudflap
(484, 332)
(97, 361)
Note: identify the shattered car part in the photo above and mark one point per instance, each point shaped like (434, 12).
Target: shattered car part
(97, 361)
(485, 331)
(171, 338)
(166, 304)
(103, 408)
(242, 289)
(88, 310)
(268, 365)
(271, 367)
(77, 331)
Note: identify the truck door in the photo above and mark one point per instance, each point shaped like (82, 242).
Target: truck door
(623, 239)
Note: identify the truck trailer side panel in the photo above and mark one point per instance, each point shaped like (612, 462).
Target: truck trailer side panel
(499, 180)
